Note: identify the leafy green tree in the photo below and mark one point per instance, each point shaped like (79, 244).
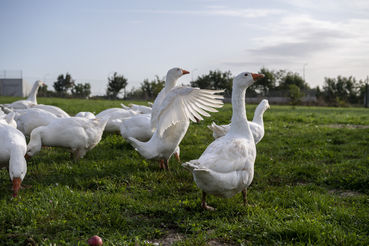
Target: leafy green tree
(44, 92)
(290, 78)
(150, 89)
(342, 89)
(215, 80)
(63, 84)
(115, 84)
(265, 84)
(81, 90)
(295, 95)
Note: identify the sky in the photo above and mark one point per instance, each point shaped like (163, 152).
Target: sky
(92, 39)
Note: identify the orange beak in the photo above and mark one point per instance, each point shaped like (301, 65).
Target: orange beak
(16, 186)
(177, 157)
(185, 71)
(256, 76)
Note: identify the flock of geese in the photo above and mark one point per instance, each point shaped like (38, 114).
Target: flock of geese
(224, 169)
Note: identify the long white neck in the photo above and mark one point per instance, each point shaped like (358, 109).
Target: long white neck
(240, 125)
(33, 95)
(35, 143)
(170, 82)
(17, 163)
(258, 116)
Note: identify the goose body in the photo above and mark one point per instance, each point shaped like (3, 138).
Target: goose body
(256, 125)
(58, 112)
(29, 119)
(13, 148)
(226, 167)
(87, 115)
(78, 134)
(139, 108)
(30, 101)
(116, 117)
(137, 126)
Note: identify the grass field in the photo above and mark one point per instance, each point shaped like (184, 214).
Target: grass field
(311, 186)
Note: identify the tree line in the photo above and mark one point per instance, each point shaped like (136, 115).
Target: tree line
(337, 91)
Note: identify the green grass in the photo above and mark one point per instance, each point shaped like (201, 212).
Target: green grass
(311, 186)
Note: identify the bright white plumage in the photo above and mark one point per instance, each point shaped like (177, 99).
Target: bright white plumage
(227, 165)
(29, 119)
(78, 134)
(13, 148)
(116, 117)
(256, 125)
(31, 99)
(180, 105)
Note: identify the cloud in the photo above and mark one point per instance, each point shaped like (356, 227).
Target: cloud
(298, 49)
(215, 10)
(303, 37)
(330, 47)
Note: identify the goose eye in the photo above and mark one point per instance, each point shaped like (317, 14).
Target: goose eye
(246, 74)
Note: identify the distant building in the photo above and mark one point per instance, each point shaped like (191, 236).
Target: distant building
(12, 84)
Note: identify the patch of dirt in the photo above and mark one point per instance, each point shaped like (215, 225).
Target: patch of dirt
(344, 193)
(348, 126)
(217, 243)
(173, 237)
(169, 239)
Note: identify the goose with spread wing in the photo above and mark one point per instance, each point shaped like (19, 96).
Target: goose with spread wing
(140, 126)
(256, 125)
(227, 165)
(180, 105)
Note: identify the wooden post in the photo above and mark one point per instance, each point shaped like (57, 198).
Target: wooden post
(366, 101)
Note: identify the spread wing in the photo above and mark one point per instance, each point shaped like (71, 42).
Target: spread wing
(187, 103)
(156, 109)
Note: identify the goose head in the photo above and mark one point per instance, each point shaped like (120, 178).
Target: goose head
(246, 79)
(264, 104)
(9, 119)
(17, 171)
(173, 75)
(40, 83)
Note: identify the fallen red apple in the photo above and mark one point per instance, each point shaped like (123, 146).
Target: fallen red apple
(95, 241)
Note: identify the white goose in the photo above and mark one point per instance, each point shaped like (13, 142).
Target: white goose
(256, 126)
(87, 115)
(138, 126)
(145, 122)
(78, 134)
(141, 127)
(116, 117)
(227, 165)
(13, 148)
(29, 119)
(58, 112)
(31, 100)
(180, 105)
(8, 119)
(139, 108)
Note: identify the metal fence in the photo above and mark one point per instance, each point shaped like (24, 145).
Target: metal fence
(11, 74)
